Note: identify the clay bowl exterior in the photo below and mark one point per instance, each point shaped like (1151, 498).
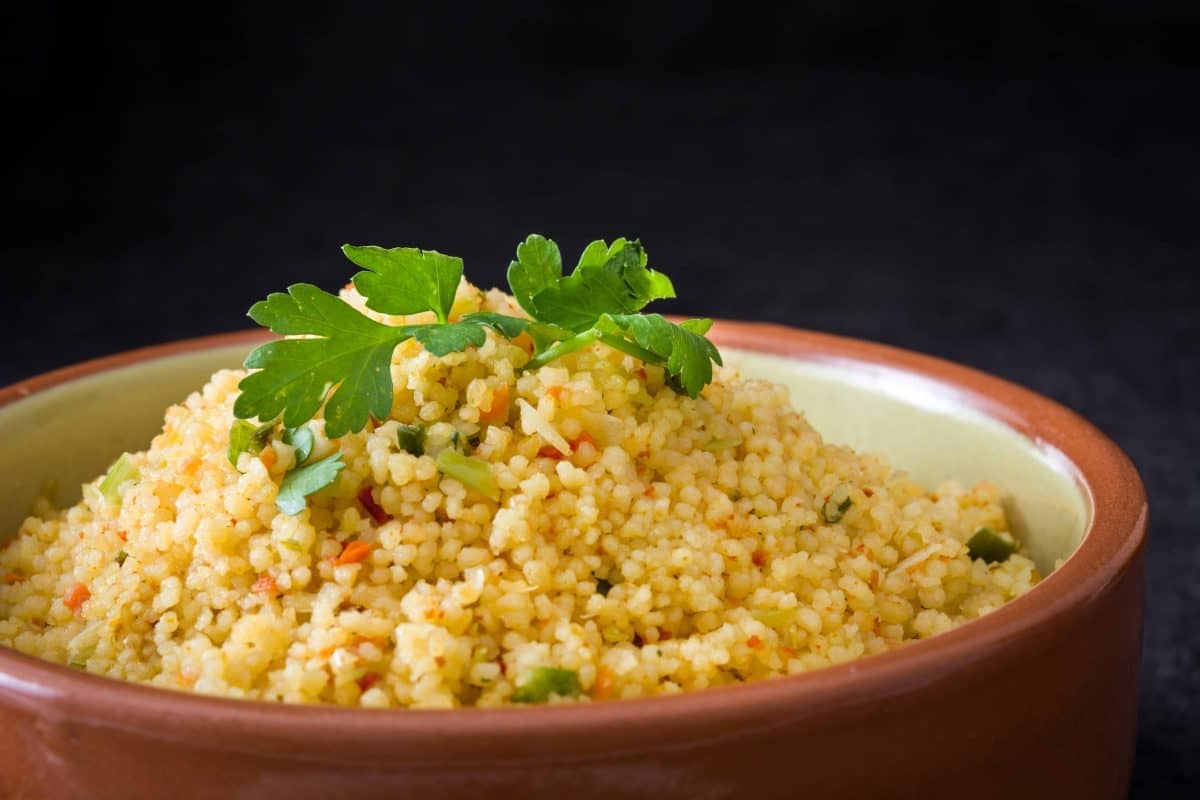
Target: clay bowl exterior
(1037, 699)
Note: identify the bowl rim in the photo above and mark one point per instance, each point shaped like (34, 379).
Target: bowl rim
(1114, 536)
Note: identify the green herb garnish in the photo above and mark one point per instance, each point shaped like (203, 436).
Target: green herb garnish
(247, 438)
(411, 439)
(337, 357)
(474, 473)
(120, 473)
(301, 482)
(545, 681)
(603, 586)
(837, 504)
(992, 547)
(120, 559)
(302, 439)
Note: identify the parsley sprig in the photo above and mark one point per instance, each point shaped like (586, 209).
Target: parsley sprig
(335, 356)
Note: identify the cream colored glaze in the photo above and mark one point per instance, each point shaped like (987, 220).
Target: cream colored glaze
(70, 433)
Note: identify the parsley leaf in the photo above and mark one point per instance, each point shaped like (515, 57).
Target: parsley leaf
(406, 280)
(301, 482)
(342, 349)
(687, 353)
(302, 439)
(538, 266)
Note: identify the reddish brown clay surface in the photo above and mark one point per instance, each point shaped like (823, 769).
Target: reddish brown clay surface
(1038, 699)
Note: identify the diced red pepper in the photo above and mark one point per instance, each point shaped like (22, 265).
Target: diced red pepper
(265, 585)
(367, 498)
(368, 680)
(759, 557)
(754, 643)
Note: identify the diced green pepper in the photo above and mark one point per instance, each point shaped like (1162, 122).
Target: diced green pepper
(474, 473)
(120, 473)
(411, 439)
(992, 547)
(545, 681)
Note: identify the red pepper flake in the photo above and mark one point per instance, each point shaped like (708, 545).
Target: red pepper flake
(641, 373)
(123, 536)
(554, 391)
(759, 557)
(265, 585)
(547, 451)
(663, 634)
(754, 643)
(14, 577)
(368, 680)
(367, 498)
(439, 660)
(583, 438)
(76, 596)
(502, 665)
(788, 652)
(353, 553)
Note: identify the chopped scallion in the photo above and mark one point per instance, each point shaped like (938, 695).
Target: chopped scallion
(474, 473)
(247, 438)
(120, 473)
(838, 504)
(545, 681)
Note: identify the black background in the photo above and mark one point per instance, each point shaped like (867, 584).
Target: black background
(1012, 187)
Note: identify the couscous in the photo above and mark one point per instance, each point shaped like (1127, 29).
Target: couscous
(577, 532)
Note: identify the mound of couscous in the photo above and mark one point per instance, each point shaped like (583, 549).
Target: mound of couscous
(622, 539)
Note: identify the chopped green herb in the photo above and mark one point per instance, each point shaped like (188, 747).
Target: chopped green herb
(247, 438)
(411, 439)
(613, 635)
(991, 546)
(545, 681)
(292, 544)
(301, 482)
(474, 473)
(456, 441)
(120, 473)
(838, 504)
(77, 665)
(335, 357)
(603, 586)
(120, 559)
(716, 445)
(302, 439)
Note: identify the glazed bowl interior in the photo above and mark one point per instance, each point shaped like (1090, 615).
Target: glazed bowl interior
(69, 434)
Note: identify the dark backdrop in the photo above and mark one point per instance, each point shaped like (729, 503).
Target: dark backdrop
(1014, 188)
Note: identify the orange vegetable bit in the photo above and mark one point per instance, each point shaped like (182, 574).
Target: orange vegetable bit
(524, 341)
(76, 596)
(354, 553)
(759, 557)
(13, 577)
(554, 391)
(787, 652)
(754, 643)
(265, 585)
(497, 412)
(602, 689)
(549, 451)
(268, 457)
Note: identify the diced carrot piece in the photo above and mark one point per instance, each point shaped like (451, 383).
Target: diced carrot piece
(759, 557)
(268, 457)
(13, 577)
(368, 680)
(265, 585)
(353, 553)
(663, 634)
(583, 438)
(548, 451)
(787, 652)
(554, 391)
(754, 643)
(123, 536)
(497, 412)
(602, 689)
(76, 596)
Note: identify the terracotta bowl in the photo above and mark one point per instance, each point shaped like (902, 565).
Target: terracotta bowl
(1036, 699)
